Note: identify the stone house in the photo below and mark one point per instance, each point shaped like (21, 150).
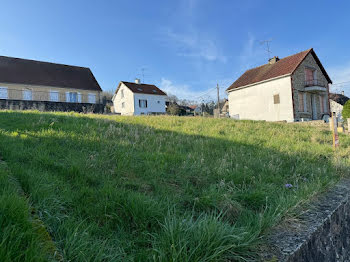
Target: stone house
(138, 99)
(27, 82)
(337, 102)
(295, 88)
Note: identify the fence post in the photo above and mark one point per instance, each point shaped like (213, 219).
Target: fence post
(334, 130)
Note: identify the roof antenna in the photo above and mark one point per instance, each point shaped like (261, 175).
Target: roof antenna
(267, 42)
(143, 74)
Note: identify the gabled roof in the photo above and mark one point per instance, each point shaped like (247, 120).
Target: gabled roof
(31, 72)
(142, 88)
(284, 66)
(338, 98)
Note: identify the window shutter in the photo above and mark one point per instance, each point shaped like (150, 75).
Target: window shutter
(67, 97)
(146, 103)
(139, 102)
(79, 97)
(276, 99)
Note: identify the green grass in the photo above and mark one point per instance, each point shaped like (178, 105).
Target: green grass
(112, 188)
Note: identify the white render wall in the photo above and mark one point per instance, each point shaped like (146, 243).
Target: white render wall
(128, 100)
(256, 102)
(155, 104)
(337, 108)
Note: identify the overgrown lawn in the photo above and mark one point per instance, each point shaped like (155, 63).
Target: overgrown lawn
(160, 188)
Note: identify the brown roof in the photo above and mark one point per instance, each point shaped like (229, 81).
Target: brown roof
(338, 98)
(282, 67)
(142, 88)
(30, 72)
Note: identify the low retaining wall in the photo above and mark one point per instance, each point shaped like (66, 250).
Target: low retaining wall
(322, 234)
(51, 106)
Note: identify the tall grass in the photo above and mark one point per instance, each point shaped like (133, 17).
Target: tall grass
(112, 188)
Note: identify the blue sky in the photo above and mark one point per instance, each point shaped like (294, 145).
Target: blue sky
(184, 46)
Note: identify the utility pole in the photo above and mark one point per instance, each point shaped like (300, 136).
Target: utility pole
(217, 88)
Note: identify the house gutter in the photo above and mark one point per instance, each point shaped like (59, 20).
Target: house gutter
(261, 82)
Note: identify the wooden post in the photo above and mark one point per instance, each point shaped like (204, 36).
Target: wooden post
(334, 130)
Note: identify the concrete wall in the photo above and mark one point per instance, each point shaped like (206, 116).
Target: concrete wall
(51, 106)
(42, 93)
(321, 234)
(128, 101)
(257, 102)
(298, 80)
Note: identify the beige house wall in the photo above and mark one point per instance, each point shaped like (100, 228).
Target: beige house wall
(298, 82)
(42, 93)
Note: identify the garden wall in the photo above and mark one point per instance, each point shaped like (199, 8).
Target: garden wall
(321, 234)
(51, 106)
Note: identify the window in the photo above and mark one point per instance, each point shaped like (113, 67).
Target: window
(122, 93)
(301, 102)
(123, 105)
(27, 94)
(3, 93)
(71, 97)
(142, 103)
(276, 99)
(54, 96)
(79, 97)
(92, 98)
(158, 102)
(322, 107)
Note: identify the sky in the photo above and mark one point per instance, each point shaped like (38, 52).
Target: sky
(185, 47)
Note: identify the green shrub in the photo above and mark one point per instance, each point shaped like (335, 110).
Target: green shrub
(346, 110)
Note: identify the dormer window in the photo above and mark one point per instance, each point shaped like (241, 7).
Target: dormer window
(154, 91)
(140, 89)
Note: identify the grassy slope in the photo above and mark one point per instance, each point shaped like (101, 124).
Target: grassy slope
(159, 188)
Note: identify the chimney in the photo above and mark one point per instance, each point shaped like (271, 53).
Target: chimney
(273, 60)
(137, 80)
(342, 92)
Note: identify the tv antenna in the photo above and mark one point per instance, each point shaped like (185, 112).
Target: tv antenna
(267, 43)
(143, 74)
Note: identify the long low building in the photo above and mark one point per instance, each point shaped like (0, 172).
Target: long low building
(29, 80)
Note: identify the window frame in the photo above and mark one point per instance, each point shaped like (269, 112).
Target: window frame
(92, 101)
(7, 92)
(54, 92)
(27, 91)
(144, 103)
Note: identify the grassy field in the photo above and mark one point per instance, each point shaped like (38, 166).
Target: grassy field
(109, 188)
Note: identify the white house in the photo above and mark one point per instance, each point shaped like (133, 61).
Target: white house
(138, 99)
(337, 102)
(295, 88)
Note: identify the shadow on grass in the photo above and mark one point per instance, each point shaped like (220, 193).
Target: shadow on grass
(118, 191)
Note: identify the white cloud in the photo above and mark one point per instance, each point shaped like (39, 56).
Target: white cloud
(186, 92)
(194, 45)
(251, 55)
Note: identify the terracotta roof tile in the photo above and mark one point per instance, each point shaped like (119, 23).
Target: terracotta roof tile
(338, 98)
(282, 67)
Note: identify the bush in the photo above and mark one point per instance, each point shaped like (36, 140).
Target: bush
(173, 109)
(346, 110)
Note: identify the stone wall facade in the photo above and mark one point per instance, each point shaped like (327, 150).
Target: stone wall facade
(298, 85)
(321, 234)
(51, 106)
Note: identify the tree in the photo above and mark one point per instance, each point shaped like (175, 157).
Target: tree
(346, 110)
(173, 109)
